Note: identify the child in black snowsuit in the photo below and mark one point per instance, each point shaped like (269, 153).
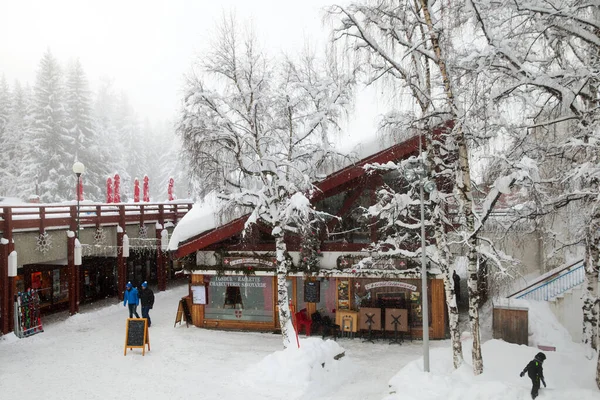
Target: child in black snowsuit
(536, 373)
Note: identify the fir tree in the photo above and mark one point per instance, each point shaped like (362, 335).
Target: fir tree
(80, 126)
(52, 145)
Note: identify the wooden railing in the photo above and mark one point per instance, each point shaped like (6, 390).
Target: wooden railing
(60, 216)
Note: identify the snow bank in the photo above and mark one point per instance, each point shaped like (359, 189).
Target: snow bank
(500, 379)
(310, 368)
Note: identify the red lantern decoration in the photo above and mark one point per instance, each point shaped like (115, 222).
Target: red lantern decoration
(170, 190)
(136, 190)
(146, 195)
(109, 190)
(117, 194)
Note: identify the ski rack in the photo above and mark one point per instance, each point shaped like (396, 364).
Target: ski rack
(28, 319)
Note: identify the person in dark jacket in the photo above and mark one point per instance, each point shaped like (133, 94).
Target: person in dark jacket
(536, 373)
(131, 296)
(147, 299)
(456, 280)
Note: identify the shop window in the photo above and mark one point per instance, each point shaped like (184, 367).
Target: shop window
(240, 298)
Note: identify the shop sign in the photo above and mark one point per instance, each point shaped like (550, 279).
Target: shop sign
(238, 281)
(382, 263)
(249, 262)
(403, 285)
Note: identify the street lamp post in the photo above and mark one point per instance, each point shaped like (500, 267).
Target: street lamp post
(79, 169)
(416, 170)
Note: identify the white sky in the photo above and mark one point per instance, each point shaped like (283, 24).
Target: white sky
(145, 46)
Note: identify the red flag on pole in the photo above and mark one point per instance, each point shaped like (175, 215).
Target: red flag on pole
(146, 195)
(109, 190)
(170, 190)
(117, 193)
(136, 190)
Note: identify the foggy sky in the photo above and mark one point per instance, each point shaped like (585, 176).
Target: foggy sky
(146, 46)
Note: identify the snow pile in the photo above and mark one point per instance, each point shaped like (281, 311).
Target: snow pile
(568, 375)
(312, 367)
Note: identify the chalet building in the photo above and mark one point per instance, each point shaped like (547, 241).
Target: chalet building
(119, 243)
(232, 280)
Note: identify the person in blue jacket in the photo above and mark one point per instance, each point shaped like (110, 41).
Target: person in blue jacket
(131, 296)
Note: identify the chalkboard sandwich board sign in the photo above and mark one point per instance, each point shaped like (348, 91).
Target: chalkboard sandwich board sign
(312, 291)
(136, 335)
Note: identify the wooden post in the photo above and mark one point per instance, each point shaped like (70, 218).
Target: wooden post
(74, 277)
(121, 265)
(6, 282)
(161, 271)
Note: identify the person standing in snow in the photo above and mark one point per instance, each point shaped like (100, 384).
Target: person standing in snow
(131, 296)
(456, 280)
(536, 373)
(147, 300)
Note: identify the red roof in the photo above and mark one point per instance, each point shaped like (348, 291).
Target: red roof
(333, 184)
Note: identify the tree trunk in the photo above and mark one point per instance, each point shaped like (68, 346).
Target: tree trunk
(285, 320)
(445, 259)
(463, 183)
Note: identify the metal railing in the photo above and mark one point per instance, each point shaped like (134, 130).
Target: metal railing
(555, 285)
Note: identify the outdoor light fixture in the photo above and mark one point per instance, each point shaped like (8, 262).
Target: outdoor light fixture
(414, 170)
(78, 169)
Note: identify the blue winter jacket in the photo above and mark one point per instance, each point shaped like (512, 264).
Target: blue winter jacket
(131, 296)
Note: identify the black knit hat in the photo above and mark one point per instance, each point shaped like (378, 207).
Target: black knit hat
(540, 356)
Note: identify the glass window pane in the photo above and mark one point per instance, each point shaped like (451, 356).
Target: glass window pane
(240, 298)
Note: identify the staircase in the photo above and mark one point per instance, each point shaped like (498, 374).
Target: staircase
(553, 284)
(562, 288)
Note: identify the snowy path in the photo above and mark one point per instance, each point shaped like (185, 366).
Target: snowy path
(83, 356)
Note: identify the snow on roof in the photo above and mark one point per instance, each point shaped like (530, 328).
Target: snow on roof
(204, 216)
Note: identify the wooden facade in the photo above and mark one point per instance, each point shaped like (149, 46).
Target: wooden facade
(511, 324)
(68, 284)
(242, 294)
(437, 310)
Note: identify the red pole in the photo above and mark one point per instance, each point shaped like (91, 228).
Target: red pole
(80, 189)
(109, 190)
(146, 195)
(136, 190)
(170, 190)
(117, 193)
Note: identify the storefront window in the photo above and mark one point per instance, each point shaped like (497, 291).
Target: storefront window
(52, 285)
(240, 298)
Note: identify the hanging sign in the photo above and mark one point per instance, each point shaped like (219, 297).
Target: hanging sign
(403, 285)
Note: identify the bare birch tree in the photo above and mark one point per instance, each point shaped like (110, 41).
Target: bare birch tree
(407, 41)
(258, 131)
(547, 56)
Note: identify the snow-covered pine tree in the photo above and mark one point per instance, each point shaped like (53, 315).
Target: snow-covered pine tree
(5, 112)
(132, 144)
(106, 120)
(260, 134)
(80, 125)
(52, 145)
(18, 172)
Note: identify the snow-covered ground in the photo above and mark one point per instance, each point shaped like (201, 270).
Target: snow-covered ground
(82, 358)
